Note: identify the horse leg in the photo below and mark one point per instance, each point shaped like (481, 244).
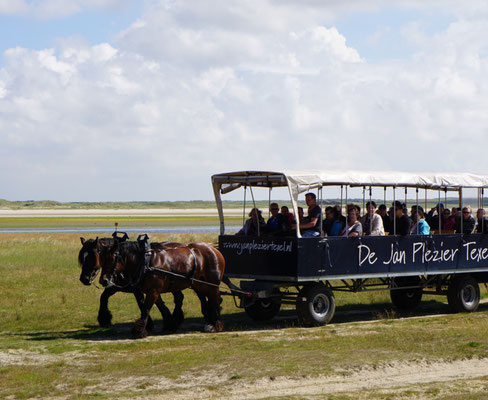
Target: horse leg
(139, 330)
(178, 315)
(207, 314)
(104, 317)
(168, 324)
(140, 302)
(213, 317)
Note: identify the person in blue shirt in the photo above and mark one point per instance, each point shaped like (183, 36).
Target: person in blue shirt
(420, 225)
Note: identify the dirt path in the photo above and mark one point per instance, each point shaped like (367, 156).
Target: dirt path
(384, 377)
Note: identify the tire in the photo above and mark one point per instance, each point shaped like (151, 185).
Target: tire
(463, 294)
(406, 299)
(315, 305)
(264, 309)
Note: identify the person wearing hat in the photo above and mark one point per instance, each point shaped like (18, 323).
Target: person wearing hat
(433, 216)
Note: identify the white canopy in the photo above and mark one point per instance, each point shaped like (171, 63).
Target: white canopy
(302, 181)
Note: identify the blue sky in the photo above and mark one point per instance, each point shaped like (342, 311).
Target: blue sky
(93, 26)
(126, 100)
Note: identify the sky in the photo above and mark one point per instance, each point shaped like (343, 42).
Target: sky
(120, 100)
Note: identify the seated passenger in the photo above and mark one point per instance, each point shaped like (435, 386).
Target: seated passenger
(372, 223)
(384, 216)
(339, 221)
(434, 215)
(328, 221)
(402, 222)
(254, 225)
(301, 217)
(466, 223)
(287, 214)
(448, 221)
(353, 227)
(420, 225)
(311, 224)
(482, 226)
(277, 223)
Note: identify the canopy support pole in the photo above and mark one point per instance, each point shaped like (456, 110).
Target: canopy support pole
(244, 208)
(394, 211)
(439, 210)
(254, 206)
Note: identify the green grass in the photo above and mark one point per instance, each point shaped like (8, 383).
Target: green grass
(48, 324)
(108, 222)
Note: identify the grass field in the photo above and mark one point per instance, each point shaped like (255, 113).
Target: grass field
(123, 221)
(51, 346)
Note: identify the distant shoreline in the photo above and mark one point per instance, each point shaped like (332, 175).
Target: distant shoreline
(159, 212)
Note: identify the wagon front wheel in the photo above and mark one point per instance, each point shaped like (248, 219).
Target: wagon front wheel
(315, 305)
(264, 309)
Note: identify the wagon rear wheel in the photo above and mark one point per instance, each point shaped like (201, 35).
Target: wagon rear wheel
(463, 294)
(315, 305)
(264, 309)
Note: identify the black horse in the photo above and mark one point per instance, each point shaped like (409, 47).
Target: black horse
(89, 261)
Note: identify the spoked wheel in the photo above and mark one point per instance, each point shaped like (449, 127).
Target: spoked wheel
(463, 294)
(406, 299)
(264, 309)
(315, 304)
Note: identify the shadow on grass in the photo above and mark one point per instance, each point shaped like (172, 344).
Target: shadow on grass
(240, 322)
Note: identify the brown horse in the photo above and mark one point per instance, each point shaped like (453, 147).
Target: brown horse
(89, 260)
(160, 270)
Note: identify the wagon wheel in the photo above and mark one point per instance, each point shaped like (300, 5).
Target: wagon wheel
(406, 299)
(463, 294)
(315, 304)
(264, 309)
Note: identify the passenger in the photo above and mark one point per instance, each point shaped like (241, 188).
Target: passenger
(372, 223)
(287, 214)
(391, 217)
(328, 221)
(433, 216)
(384, 216)
(468, 222)
(401, 220)
(448, 222)
(338, 215)
(277, 223)
(482, 226)
(420, 225)
(311, 223)
(353, 227)
(250, 227)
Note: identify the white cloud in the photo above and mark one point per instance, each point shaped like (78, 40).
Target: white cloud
(191, 89)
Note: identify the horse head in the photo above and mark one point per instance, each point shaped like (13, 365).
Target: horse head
(122, 263)
(88, 260)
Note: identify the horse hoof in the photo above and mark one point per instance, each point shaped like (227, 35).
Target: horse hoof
(139, 331)
(209, 328)
(219, 326)
(105, 320)
(178, 318)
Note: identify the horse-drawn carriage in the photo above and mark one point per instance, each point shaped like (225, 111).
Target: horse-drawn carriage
(275, 270)
(291, 269)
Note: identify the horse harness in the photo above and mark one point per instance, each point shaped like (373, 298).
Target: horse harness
(146, 268)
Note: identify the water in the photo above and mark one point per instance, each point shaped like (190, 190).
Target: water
(108, 231)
